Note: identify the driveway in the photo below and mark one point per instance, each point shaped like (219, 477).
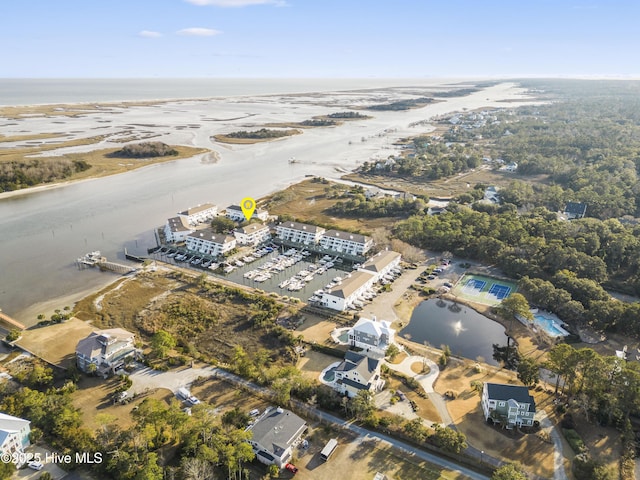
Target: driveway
(558, 457)
(382, 305)
(46, 456)
(148, 379)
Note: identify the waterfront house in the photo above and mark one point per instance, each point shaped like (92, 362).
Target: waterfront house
(210, 243)
(199, 214)
(357, 372)
(275, 434)
(342, 296)
(345, 242)
(381, 264)
(252, 234)
(508, 405)
(14, 434)
(235, 213)
(575, 210)
(299, 232)
(373, 337)
(106, 349)
(177, 229)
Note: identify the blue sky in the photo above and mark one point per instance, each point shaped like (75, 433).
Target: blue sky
(318, 38)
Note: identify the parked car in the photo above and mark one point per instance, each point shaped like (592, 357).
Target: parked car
(35, 465)
(448, 284)
(431, 277)
(438, 270)
(292, 468)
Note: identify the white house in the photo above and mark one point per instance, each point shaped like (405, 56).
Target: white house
(252, 234)
(177, 229)
(299, 232)
(508, 405)
(357, 372)
(371, 336)
(491, 195)
(14, 434)
(199, 214)
(210, 243)
(345, 242)
(381, 264)
(342, 296)
(106, 349)
(275, 434)
(235, 213)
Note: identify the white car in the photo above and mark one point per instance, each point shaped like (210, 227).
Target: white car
(35, 465)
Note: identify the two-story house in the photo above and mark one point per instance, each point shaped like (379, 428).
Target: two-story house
(509, 405)
(14, 434)
(357, 372)
(106, 349)
(275, 433)
(373, 337)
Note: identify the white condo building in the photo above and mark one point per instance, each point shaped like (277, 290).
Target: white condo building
(199, 214)
(299, 232)
(177, 229)
(210, 243)
(252, 234)
(345, 242)
(381, 264)
(235, 213)
(342, 296)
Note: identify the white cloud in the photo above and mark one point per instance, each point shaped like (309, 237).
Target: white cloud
(198, 32)
(237, 3)
(149, 34)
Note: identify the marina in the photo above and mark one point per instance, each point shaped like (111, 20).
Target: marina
(95, 259)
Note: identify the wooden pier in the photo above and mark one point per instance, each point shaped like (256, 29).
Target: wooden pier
(7, 320)
(95, 259)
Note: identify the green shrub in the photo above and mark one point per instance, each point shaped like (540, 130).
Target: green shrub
(577, 445)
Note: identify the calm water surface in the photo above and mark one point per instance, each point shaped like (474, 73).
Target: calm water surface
(468, 334)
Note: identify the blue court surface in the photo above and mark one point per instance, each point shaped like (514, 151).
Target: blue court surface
(499, 291)
(475, 284)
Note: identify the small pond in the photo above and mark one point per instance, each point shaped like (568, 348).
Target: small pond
(466, 332)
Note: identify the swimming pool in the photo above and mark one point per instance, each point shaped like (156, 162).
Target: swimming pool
(329, 376)
(549, 325)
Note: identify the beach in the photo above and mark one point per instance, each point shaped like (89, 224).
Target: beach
(45, 229)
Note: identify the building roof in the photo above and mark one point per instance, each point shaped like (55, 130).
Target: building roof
(252, 228)
(10, 424)
(302, 227)
(372, 327)
(499, 391)
(365, 366)
(576, 208)
(352, 237)
(197, 209)
(104, 342)
(213, 237)
(238, 208)
(179, 224)
(277, 430)
(378, 262)
(350, 285)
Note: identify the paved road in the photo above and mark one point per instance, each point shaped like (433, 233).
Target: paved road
(382, 305)
(147, 378)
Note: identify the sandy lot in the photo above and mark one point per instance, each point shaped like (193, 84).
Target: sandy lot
(314, 362)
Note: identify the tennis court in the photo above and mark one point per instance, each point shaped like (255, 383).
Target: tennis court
(483, 289)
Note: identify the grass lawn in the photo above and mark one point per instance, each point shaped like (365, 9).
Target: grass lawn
(56, 343)
(314, 362)
(308, 199)
(533, 451)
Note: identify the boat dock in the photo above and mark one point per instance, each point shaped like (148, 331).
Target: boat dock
(7, 320)
(95, 259)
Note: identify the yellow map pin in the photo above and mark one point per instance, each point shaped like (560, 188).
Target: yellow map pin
(248, 206)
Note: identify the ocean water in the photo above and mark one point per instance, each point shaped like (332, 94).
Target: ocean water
(16, 91)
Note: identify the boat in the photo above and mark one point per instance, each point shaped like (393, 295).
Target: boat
(250, 274)
(337, 280)
(308, 278)
(329, 265)
(239, 263)
(214, 266)
(229, 269)
(284, 283)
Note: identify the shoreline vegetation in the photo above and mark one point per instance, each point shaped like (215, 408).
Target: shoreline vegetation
(19, 173)
(255, 136)
(329, 120)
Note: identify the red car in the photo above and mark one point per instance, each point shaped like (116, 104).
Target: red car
(292, 468)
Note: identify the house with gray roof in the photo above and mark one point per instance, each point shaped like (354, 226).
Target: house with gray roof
(357, 372)
(275, 434)
(299, 232)
(372, 336)
(575, 210)
(508, 405)
(176, 229)
(381, 264)
(106, 349)
(199, 214)
(14, 434)
(342, 296)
